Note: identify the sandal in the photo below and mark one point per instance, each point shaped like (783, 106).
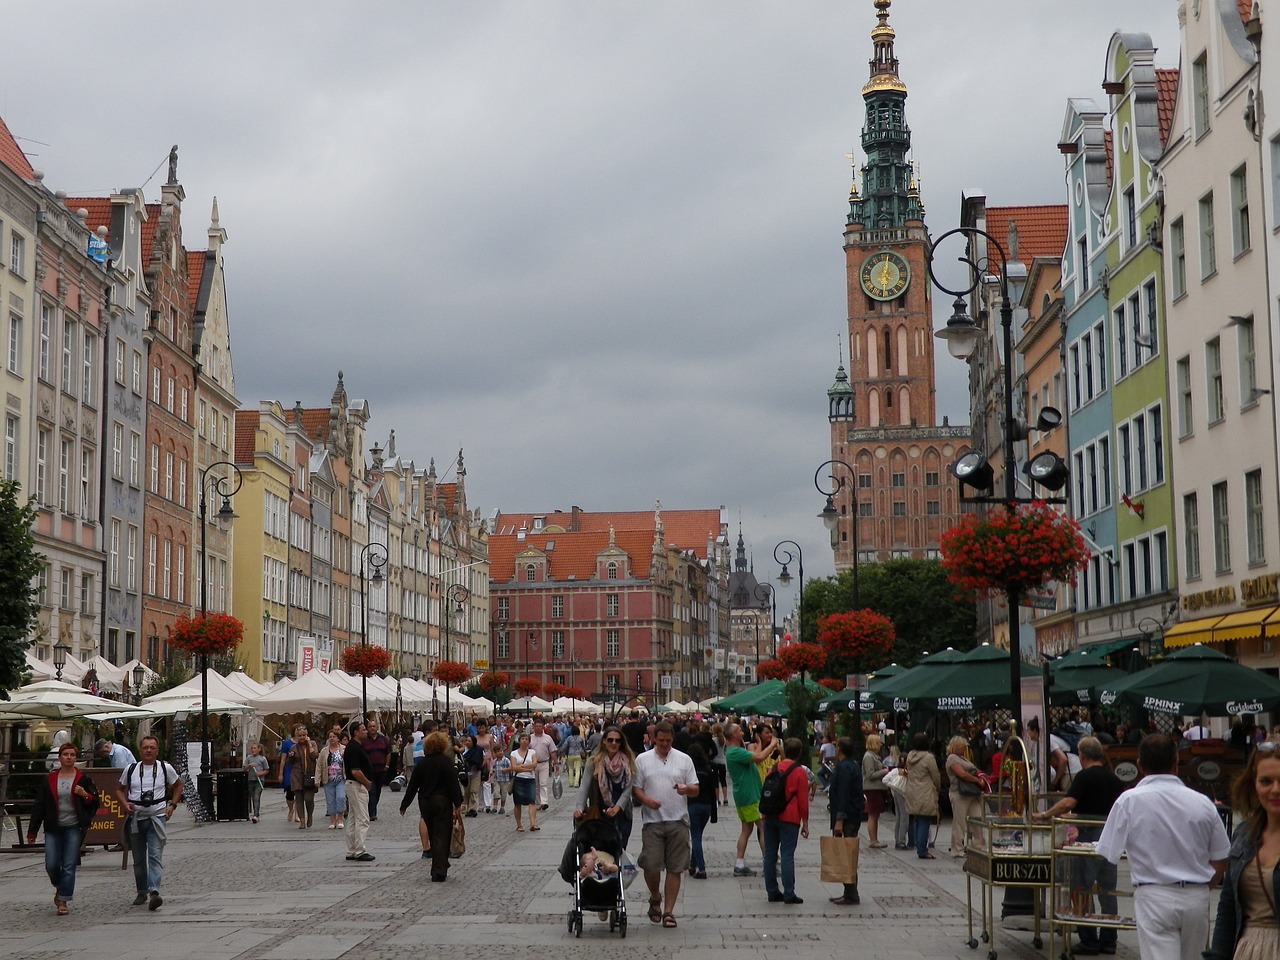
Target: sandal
(655, 911)
(535, 828)
(62, 908)
(519, 829)
(668, 920)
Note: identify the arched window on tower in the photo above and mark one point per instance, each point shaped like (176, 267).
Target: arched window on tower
(888, 352)
(904, 406)
(888, 399)
(872, 354)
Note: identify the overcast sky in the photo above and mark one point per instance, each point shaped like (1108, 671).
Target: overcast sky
(596, 244)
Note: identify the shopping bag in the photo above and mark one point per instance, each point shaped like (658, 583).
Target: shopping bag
(458, 842)
(839, 859)
(557, 786)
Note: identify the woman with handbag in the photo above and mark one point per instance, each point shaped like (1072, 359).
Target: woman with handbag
(965, 791)
(302, 760)
(435, 783)
(605, 791)
(66, 801)
(332, 778)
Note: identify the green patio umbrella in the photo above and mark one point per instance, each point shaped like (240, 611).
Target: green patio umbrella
(843, 700)
(895, 693)
(884, 674)
(1083, 657)
(740, 701)
(774, 704)
(979, 680)
(1193, 681)
(1076, 682)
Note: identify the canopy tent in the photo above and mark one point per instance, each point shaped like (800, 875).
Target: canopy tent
(39, 669)
(845, 700)
(671, 706)
(569, 705)
(240, 680)
(313, 692)
(219, 686)
(526, 704)
(885, 693)
(59, 700)
(692, 706)
(705, 705)
(978, 680)
(173, 703)
(1196, 680)
(111, 678)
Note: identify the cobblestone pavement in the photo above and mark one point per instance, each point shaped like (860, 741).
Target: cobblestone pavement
(273, 892)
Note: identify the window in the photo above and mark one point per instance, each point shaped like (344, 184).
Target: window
(64, 588)
(899, 509)
(1149, 328)
(46, 336)
(135, 455)
(504, 608)
(611, 604)
(612, 683)
(899, 479)
(557, 644)
(168, 475)
(1191, 536)
(612, 644)
(1221, 529)
(1213, 379)
(17, 254)
(864, 481)
(135, 377)
(182, 405)
(131, 559)
(117, 450)
(42, 586)
(931, 478)
(86, 366)
(1126, 459)
(43, 440)
(169, 396)
(167, 570)
(182, 483)
(86, 593)
(120, 351)
(11, 429)
(68, 355)
(1122, 342)
(1208, 255)
(1178, 257)
(1248, 361)
(1130, 219)
(504, 646)
(1145, 565)
(151, 564)
(1255, 533)
(201, 407)
(182, 573)
(611, 571)
(932, 508)
(155, 386)
(1185, 424)
(530, 573)
(15, 344)
(64, 477)
(1082, 255)
(1239, 212)
(1200, 94)
(155, 468)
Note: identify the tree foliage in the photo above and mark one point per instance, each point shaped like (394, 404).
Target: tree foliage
(20, 564)
(925, 607)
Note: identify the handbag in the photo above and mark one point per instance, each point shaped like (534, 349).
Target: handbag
(458, 840)
(557, 786)
(308, 782)
(839, 859)
(969, 788)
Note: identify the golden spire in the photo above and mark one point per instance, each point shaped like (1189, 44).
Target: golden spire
(884, 65)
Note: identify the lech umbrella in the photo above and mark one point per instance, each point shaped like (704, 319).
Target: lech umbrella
(1193, 681)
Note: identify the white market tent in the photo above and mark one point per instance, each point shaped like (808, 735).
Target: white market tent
(219, 686)
(173, 703)
(40, 669)
(672, 706)
(528, 703)
(240, 680)
(569, 705)
(314, 692)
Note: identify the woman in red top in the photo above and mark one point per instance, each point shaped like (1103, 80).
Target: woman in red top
(783, 832)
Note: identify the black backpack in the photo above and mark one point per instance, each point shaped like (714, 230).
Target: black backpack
(773, 792)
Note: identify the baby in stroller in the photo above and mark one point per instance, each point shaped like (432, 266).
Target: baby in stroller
(591, 864)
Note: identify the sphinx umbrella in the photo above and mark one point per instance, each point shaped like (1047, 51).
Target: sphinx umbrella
(979, 680)
(897, 692)
(1193, 681)
(845, 699)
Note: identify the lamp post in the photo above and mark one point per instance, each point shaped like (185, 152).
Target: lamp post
(60, 651)
(1048, 470)
(225, 487)
(784, 578)
(376, 554)
(831, 518)
(764, 594)
(139, 675)
(458, 594)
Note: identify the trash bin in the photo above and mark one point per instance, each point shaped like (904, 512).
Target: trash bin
(233, 795)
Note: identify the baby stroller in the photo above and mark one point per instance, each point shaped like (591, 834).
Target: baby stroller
(602, 892)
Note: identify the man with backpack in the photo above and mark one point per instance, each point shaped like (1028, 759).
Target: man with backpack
(149, 791)
(784, 804)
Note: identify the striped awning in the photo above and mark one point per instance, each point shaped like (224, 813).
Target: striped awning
(1191, 631)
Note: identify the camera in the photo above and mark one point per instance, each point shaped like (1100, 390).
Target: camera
(148, 798)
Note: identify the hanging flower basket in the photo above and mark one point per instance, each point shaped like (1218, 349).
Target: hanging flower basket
(861, 635)
(798, 657)
(493, 680)
(528, 686)
(210, 635)
(574, 693)
(1017, 550)
(451, 672)
(773, 670)
(831, 683)
(553, 690)
(365, 661)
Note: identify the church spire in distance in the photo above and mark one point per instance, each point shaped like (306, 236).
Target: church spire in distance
(888, 195)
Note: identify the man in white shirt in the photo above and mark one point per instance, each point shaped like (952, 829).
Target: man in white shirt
(1197, 731)
(664, 780)
(1177, 849)
(149, 791)
(544, 748)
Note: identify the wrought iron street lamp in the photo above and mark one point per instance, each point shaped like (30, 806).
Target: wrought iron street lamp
(785, 578)
(458, 594)
(831, 518)
(139, 677)
(225, 487)
(60, 651)
(376, 555)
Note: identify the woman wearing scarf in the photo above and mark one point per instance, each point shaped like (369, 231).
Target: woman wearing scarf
(606, 784)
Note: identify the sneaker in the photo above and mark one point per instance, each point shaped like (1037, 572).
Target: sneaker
(342, 826)
(140, 899)
(155, 901)
(364, 858)
(426, 855)
(743, 872)
(472, 813)
(543, 807)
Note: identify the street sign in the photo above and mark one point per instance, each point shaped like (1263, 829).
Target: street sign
(666, 681)
(857, 681)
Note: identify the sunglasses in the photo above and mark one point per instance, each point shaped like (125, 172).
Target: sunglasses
(612, 739)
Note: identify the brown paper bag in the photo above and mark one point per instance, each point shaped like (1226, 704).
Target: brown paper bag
(839, 859)
(458, 841)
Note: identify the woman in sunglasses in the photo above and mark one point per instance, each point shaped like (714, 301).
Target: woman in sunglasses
(605, 790)
(1246, 926)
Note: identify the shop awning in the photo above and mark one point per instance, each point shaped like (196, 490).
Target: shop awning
(1191, 631)
(1104, 647)
(1271, 628)
(1238, 626)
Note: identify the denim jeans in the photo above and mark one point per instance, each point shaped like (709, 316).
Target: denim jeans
(699, 817)
(335, 797)
(61, 852)
(146, 842)
(780, 838)
(918, 827)
(255, 797)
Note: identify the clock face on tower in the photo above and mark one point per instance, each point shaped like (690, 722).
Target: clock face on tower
(885, 275)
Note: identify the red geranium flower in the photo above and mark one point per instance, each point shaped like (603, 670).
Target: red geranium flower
(803, 656)
(451, 672)
(1018, 550)
(528, 686)
(365, 660)
(773, 670)
(553, 690)
(859, 634)
(207, 635)
(493, 679)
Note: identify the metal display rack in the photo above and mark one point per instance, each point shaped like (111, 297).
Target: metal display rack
(1076, 874)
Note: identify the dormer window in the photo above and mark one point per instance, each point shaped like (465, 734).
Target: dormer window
(530, 573)
(611, 571)
(539, 523)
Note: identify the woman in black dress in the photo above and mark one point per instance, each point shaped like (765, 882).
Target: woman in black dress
(435, 783)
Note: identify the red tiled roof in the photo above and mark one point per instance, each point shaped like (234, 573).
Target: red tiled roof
(11, 154)
(688, 529)
(1166, 96)
(315, 422)
(574, 554)
(246, 430)
(195, 273)
(446, 494)
(1042, 230)
(99, 210)
(149, 231)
